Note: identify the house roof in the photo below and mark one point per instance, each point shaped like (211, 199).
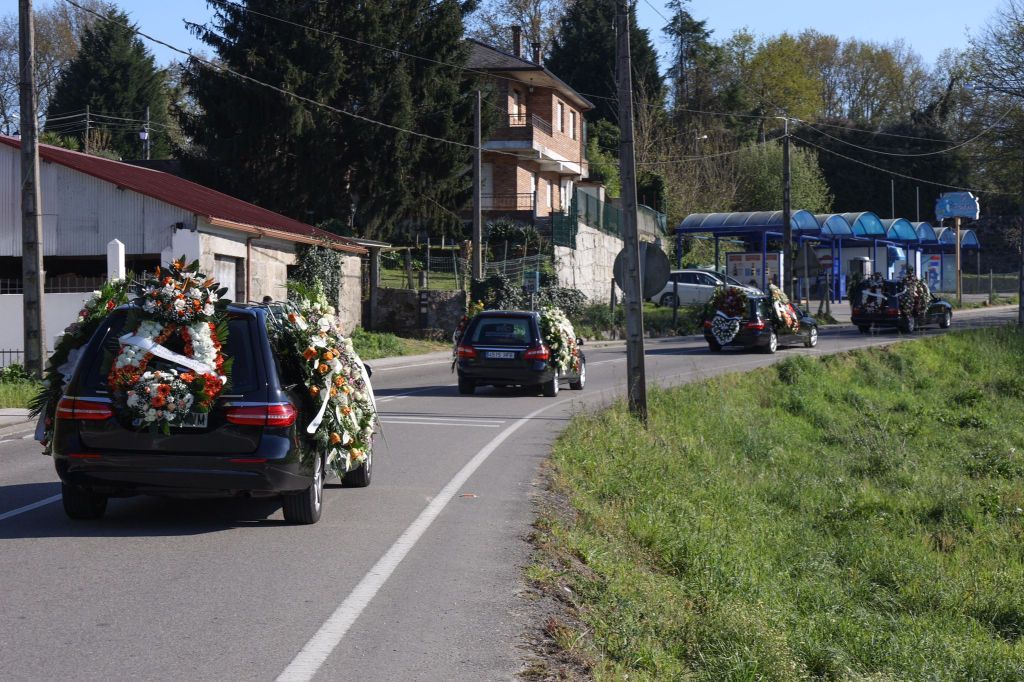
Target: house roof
(221, 209)
(484, 57)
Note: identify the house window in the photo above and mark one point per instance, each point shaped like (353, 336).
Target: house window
(561, 117)
(230, 273)
(572, 124)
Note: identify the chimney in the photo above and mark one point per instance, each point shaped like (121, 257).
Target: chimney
(537, 59)
(517, 41)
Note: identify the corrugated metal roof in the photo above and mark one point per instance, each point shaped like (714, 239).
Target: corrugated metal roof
(184, 194)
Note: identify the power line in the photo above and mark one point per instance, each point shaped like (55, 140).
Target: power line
(288, 93)
(984, 132)
(894, 173)
(711, 156)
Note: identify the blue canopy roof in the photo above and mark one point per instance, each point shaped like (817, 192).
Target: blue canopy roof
(755, 221)
(865, 224)
(946, 235)
(926, 233)
(899, 229)
(834, 225)
(969, 240)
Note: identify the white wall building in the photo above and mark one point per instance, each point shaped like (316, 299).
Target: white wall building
(88, 201)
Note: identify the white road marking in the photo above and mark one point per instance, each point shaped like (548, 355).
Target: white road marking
(421, 364)
(470, 420)
(308, 661)
(485, 426)
(29, 507)
(386, 398)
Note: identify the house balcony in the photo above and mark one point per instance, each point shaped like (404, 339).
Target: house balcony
(530, 134)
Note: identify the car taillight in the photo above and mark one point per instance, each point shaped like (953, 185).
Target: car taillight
(755, 325)
(273, 414)
(466, 352)
(858, 311)
(537, 353)
(893, 312)
(707, 324)
(77, 408)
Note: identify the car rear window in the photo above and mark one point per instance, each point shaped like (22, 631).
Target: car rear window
(504, 330)
(240, 346)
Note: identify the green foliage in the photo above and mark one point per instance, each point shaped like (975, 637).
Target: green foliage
(14, 373)
(821, 519)
(604, 167)
(64, 141)
(521, 238)
(316, 266)
(373, 345)
(498, 292)
(114, 74)
(651, 190)
(316, 165)
(570, 301)
(582, 56)
(759, 169)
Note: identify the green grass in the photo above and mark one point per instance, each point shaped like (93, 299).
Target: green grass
(372, 345)
(1000, 299)
(856, 516)
(17, 393)
(597, 318)
(396, 279)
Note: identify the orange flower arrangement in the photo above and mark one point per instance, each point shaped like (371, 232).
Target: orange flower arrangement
(335, 439)
(324, 369)
(159, 401)
(309, 353)
(314, 391)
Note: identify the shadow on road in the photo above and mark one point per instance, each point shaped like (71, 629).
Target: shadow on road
(135, 516)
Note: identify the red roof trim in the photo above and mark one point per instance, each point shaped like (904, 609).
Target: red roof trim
(185, 194)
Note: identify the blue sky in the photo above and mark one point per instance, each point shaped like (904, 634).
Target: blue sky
(928, 26)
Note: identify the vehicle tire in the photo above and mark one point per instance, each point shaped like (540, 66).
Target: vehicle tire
(550, 388)
(812, 338)
(668, 300)
(773, 342)
(360, 478)
(864, 328)
(947, 320)
(909, 325)
(714, 346)
(466, 386)
(305, 507)
(82, 503)
(578, 385)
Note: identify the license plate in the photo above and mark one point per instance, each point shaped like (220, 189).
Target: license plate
(194, 420)
(501, 355)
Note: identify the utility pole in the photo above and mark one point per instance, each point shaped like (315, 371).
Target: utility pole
(85, 140)
(146, 138)
(959, 279)
(31, 214)
(636, 379)
(787, 219)
(478, 227)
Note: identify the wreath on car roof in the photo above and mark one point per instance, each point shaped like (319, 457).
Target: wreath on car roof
(726, 307)
(178, 328)
(914, 296)
(783, 312)
(559, 336)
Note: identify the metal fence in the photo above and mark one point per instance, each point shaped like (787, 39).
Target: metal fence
(58, 284)
(1000, 283)
(10, 357)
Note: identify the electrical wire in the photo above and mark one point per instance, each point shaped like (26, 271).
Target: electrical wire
(224, 69)
(711, 156)
(894, 173)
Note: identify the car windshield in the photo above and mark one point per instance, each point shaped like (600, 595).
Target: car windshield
(733, 281)
(501, 331)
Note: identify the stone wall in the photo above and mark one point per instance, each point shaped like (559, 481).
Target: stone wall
(398, 311)
(350, 296)
(588, 267)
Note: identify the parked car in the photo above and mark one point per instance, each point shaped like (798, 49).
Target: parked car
(886, 311)
(251, 444)
(696, 287)
(758, 328)
(505, 348)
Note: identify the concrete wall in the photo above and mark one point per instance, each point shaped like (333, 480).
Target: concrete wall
(350, 298)
(398, 311)
(59, 310)
(588, 267)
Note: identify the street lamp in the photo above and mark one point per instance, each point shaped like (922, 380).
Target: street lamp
(144, 136)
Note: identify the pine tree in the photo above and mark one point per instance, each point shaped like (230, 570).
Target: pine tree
(322, 166)
(117, 78)
(584, 52)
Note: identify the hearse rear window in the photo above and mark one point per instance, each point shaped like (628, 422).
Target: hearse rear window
(502, 330)
(240, 345)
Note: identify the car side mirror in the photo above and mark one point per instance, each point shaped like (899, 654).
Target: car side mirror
(579, 342)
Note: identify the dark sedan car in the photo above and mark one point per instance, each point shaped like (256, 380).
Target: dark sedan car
(252, 443)
(758, 328)
(883, 310)
(505, 348)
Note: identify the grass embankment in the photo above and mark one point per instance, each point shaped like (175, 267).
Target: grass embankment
(855, 516)
(597, 319)
(372, 345)
(17, 393)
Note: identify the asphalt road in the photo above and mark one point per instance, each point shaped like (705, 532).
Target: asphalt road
(418, 577)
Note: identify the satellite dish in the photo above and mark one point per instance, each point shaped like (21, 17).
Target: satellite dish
(654, 270)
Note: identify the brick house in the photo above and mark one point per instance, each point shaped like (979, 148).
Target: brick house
(535, 156)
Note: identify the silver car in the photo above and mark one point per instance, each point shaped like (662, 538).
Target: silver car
(695, 287)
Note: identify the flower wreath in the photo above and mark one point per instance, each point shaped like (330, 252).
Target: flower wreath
(471, 311)
(62, 364)
(560, 337)
(335, 377)
(782, 309)
(177, 308)
(872, 294)
(914, 297)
